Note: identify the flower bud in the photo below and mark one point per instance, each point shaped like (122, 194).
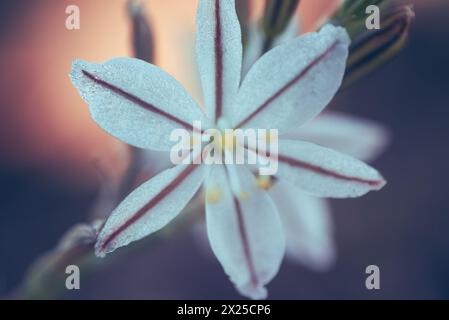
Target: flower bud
(372, 48)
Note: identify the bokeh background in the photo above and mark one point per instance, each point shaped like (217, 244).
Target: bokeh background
(48, 147)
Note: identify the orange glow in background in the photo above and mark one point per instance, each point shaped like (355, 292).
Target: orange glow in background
(45, 126)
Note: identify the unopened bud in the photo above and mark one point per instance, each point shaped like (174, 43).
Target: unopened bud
(373, 48)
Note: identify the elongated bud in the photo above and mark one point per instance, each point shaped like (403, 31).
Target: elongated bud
(242, 8)
(373, 48)
(277, 16)
(142, 38)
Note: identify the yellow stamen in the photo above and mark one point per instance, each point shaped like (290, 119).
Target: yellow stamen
(213, 195)
(229, 139)
(193, 141)
(264, 182)
(271, 136)
(225, 140)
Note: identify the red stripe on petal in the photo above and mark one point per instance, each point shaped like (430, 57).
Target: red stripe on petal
(218, 63)
(137, 100)
(292, 82)
(377, 184)
(244, 239)
(307, 166)
(245, 243)
(150, 205)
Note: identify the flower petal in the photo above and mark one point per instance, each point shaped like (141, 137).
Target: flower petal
(293, 82)
(245, 231)
(308, 226)
(360, 138)
(135, 101)
(150, 207)
(324, 172)
(218, 54)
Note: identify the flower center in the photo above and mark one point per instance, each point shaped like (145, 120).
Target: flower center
(224, 138)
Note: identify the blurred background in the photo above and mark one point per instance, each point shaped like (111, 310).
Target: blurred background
(50, 150)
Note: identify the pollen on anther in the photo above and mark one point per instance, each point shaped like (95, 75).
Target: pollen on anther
(193, 141)
(271, 137)
(213, 195)
(229, 140)
(264, 182)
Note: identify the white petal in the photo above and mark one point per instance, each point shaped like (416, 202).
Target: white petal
(150, 207)
(218, 54)
(325, 172)
(358, 137)
(293, 82)
(245, 232)
(135, 101)
(308, 226)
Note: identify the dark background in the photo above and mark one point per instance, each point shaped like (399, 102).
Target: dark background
(403, 229)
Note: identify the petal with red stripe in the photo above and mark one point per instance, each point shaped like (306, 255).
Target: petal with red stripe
(135, 101)
(293, 82)
(218, 54)
(150, 207)
(244, 230)
(325, 172)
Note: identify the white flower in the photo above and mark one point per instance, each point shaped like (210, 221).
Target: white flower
(141, 105)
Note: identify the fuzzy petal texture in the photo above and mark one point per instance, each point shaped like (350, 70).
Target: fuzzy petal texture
(218, 54)
(135, 101)
(293, 82)
(150, 207)
(245, 232)
(324, 172)
(308, 226)
(358, 137)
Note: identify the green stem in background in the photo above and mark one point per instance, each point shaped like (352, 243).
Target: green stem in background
(276, 18)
